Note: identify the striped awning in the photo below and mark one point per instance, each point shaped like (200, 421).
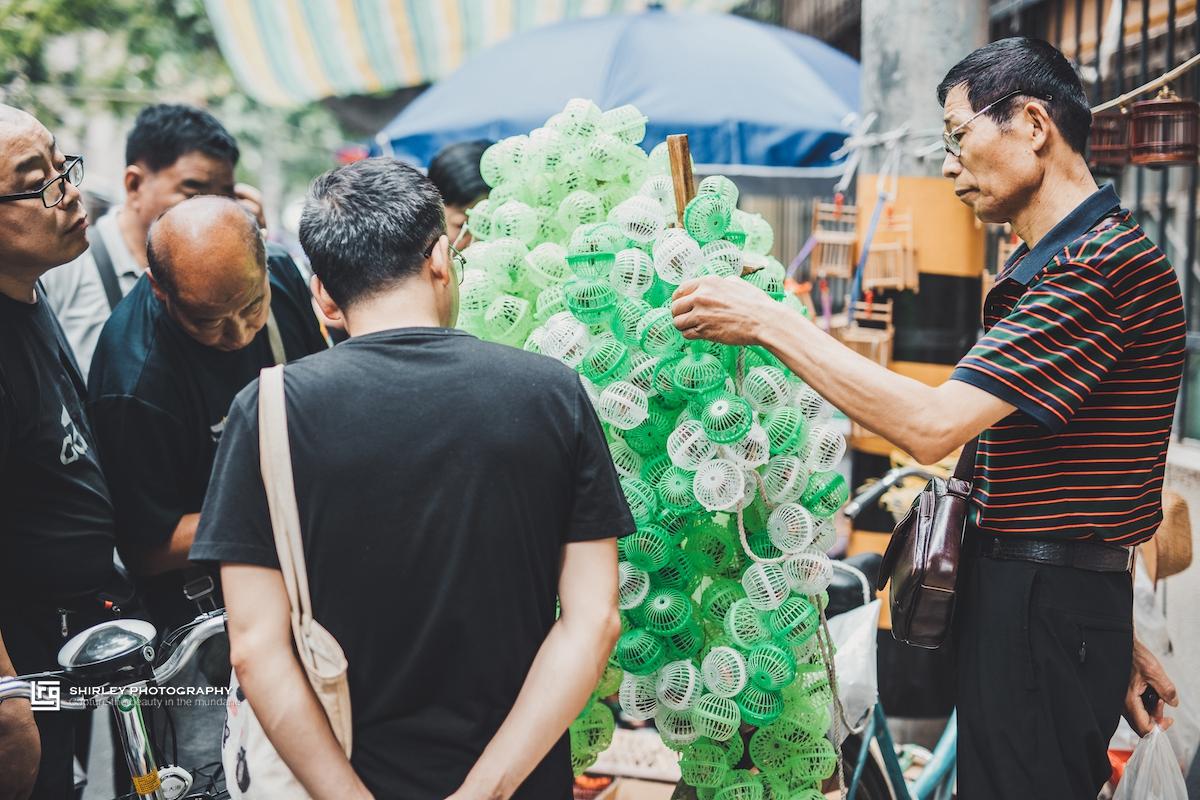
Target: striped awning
(290, 52)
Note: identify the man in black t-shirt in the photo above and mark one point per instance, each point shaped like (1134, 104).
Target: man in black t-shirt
(56, 520)
(448, 490)
(210, 313)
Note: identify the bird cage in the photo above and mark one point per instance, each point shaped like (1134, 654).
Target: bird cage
(835, 233)
(1108, 145)
(1164, 131)
(891, 259)
(870, 333)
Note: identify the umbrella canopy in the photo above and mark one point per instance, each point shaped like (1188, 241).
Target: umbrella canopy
(744, 92)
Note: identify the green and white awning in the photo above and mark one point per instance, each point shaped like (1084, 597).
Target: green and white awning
(290, 52)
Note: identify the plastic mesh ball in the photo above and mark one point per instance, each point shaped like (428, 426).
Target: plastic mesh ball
(543, 151)
(476, 294)
(479, 220)
(679, 573)
(641, 370)
(814, 719)
(716, 717)
(664, 381)
(740, 785)
(826, 535)
(632, 272)
(592, 266)
(626, 318)
(533, 342)
(825, 493)
(812, 684)
(675, 727)
(718, 484)
(769, 280)
(676, 256)
(699, 372)
(688, 446)
(752, 450)
(706, 217)
(726, 417)
(771, 667)
(504, 262)
(766, 586)
(605, 361)
(785, 429)
(666, 611)
(633, 585)
(794, 621)
(648, 438)
(745, 625)
(605, 156)
(767, 388)
(637, 697)
(759, 706)
(759, 236)
(809, 572)
(517, 220)
(643, 502)
(661, 189)
(703, 765)
(579, 120)
(625, 122)
(687, 642)
(508, 319)
(648, 548)
(600, 237)
(592, 731)
(674, 489)
(720, 258)
(773, 746)
(549, 301)
(590, 301)
(724, 671)
(503, 160)
(814, 407)
(659, 336)
(580, 207)
(623, 405)
(546, 264)
(718, 597)
(640, 218)
(639, 651)
(722, 187)
(679, 684)
(784, 478)
(815, 760)
(565, 339)
(791, 528)
(824, 449)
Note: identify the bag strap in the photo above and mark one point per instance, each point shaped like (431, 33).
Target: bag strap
(275, 339)
(104, 266)
(964, 470)
(275, 461)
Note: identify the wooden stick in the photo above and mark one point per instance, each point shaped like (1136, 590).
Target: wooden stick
(681, 172)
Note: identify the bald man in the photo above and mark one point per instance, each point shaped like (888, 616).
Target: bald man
(213, 309)
(56, 518)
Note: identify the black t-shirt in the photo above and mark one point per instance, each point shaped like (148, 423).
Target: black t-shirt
(159, 401)
(56, 519)
(438, 479)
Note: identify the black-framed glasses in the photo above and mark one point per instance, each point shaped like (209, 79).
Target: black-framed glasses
(952, 139)
(54, 190)
(457, 260)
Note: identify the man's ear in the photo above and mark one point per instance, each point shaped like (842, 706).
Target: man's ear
(440, 267)
(325, 303)
(158, 292)
(1040, 123)
(135, 176)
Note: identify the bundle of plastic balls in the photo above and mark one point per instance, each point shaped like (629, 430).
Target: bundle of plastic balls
(725, 457)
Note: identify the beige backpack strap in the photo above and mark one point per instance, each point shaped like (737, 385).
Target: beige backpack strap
(275, 339)
(275, 461)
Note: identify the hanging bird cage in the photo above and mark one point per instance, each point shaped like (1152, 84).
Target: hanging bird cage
(835, 232)
(1108, 146)
(870, 333)
(891, 259)
(1165, 131)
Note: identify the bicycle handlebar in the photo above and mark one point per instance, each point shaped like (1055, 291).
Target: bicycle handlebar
(198, 635)
(872, 493)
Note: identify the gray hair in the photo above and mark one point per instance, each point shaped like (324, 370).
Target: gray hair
(368, 225)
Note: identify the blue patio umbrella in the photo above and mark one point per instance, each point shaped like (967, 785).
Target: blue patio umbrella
(745, 92)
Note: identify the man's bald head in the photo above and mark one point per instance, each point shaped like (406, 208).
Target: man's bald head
(208, 263)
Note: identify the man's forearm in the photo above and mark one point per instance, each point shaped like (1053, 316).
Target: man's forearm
(173, 555)
(289, 712)
(564, 673)
(20, 745)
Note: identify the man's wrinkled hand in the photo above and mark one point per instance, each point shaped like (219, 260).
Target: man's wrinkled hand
(725, 310)
(1147, 672)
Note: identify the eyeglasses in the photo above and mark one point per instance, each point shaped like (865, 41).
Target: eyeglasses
(54, 190)
(952, 140)
(456, 258)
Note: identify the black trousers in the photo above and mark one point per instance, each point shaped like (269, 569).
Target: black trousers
(1043, 661)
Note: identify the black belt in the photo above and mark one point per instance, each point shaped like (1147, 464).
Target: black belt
(1091, 556)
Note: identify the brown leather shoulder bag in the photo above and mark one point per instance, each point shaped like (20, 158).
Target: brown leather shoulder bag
(923, 555)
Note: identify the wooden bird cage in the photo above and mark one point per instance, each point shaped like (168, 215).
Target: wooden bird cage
(835, 231)
(870, 333)
(1108, 145)
(1164, 131)
(891, 259)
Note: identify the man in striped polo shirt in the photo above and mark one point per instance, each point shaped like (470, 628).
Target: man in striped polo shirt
(1071, 392)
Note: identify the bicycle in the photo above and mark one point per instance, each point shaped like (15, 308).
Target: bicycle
(114, 663)
(879, 765)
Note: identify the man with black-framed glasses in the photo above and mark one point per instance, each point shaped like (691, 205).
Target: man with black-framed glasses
(57, 530)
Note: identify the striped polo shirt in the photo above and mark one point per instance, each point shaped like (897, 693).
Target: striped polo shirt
(1085, 336)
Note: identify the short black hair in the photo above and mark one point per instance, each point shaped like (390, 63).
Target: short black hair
(1033, 67)
(162, 134)
(367, 226)
(455, 172)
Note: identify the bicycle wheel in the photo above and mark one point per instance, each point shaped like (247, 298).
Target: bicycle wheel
(873, 784)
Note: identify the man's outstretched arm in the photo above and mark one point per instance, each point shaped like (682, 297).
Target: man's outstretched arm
(564, 673)
(20, 745)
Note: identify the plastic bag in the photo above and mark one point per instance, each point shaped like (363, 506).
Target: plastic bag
(1153, 771)
(853, 635)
